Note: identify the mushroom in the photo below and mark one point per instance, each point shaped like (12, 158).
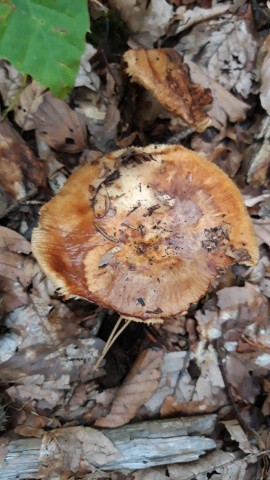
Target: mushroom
(162, 73)
(144, 231)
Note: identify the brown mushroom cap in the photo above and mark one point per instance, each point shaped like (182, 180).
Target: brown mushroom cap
(162, 72)
(144, 231)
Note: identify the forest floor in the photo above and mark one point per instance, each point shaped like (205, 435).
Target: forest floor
(211, 363)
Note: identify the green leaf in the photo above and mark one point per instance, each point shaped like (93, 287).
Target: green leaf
(45, 39)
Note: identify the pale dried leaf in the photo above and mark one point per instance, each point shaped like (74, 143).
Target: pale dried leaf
(16, 270)
(188, 17)
(260, 161)
(217, 465)
(174, 363)
(227, 52)
(86, 77)
(29, 102)
(250, 200)
(149, 474)
(246, 305)
(138, 387)
(225, 105)
(124, 7)
(72, 449)
(237, 433)
(60, 126)
(10, 82)
(203, 395)
(155, 22)
(262, 230)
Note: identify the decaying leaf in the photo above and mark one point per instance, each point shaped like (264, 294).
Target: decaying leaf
(30, 100)
(226, 49)
(262, 230)
(163, 73)
(10, 82)
(138, 387)
(71, 449)
(217, 465)
(21, 172)
(15, 269)
(258, 173)
(225, 105)
(86, 77)
(237, 433)
(200, 387)
(245, 308)
(245, 386)
(60, 126)
(149, 20)
(189, 17)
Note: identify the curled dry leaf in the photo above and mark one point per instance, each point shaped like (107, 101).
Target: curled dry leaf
(29, 102)
(163, 73)
(186, 18)
(86, 77)
(60, 126)
(138, 387)
(21, 172)
(258, 173)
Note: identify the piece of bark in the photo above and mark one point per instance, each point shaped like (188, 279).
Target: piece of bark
(134, 446)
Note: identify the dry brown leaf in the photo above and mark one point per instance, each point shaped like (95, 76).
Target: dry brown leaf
(225, 154)
(138, 387)
(245, 309)
(29, 102)
(237, 433)
(258, 173)
(186, 18)
(262, 230)
(21, 172)
(225, 105)
(70, 450)
(149, 20)
(60, 126)
(196, 396)
(245, 386)
(138, 9)
(162, 72)
(217, 465)
(14, 279)
(10, 82)
(86, 77)
(226, 50)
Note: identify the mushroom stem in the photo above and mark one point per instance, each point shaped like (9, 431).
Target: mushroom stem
(113, 336)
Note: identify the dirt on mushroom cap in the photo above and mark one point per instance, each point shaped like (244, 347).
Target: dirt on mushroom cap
(144, 231)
